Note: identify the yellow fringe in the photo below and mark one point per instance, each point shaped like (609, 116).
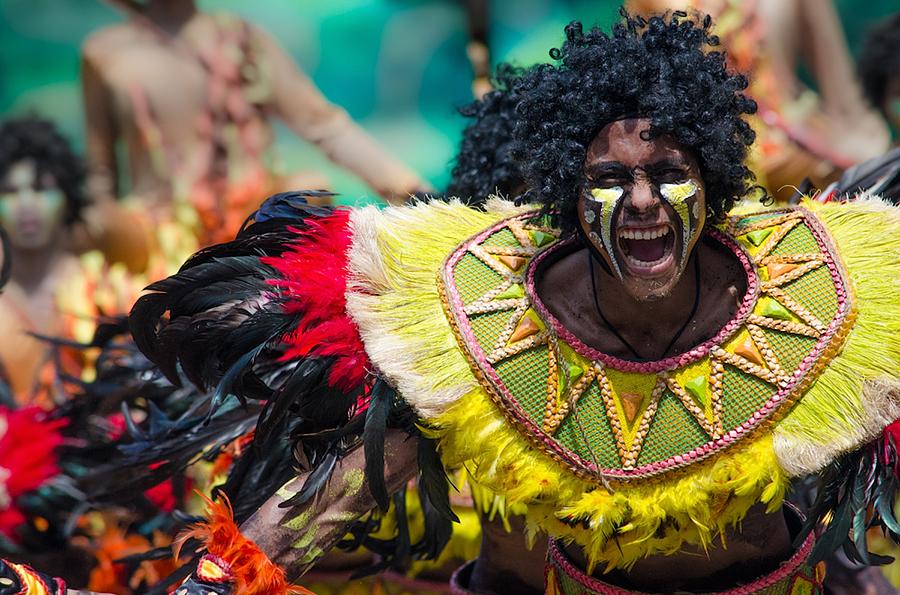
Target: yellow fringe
(859, 393)
(392, 296)
(394, 261)
(655, 517)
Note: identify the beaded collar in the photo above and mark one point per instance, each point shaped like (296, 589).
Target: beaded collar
(604, 417)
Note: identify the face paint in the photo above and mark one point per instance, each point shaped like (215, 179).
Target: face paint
(677, 195)
(609, 199)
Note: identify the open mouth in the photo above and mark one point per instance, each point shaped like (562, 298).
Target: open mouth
(648, 251)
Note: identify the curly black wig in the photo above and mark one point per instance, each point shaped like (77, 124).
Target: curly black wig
(38, 139)
(879, 60)
(662, 69)
(484, 165)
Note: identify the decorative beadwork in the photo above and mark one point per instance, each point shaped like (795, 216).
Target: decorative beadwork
(701, 401)
(793, 577)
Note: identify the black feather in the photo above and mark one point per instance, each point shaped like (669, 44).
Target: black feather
(382, 397)
(320, 475)
(290, 205)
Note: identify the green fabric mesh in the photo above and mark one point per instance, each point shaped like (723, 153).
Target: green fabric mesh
(673, 431)
(798, 241)
(743, 395)
(815, 290)
(750, 220)
(789, 349)
(592, 415)
(525, 376)
(487, 327)
(504, 238)
(473, 278)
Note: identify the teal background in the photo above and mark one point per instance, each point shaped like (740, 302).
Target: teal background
(398, 66)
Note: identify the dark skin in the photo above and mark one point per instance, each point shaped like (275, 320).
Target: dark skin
(505, 564)
(648, 307)
(669, 294)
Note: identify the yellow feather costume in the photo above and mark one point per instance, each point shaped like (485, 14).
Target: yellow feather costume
(842, 397)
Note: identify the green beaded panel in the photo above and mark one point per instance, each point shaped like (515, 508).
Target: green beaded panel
(524, 378)
(504, 238)
(597, 430)
(816, 292)
(525, 375)
(487, 327)
(797, 241)
(672, 432)
(743, 394)
(473, 278)
(789, 349)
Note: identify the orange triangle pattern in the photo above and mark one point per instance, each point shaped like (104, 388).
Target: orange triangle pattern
(526, 328)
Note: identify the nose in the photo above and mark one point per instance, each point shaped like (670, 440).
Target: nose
(642, 199)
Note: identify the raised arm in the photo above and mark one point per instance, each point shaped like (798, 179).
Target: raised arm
(303, 107)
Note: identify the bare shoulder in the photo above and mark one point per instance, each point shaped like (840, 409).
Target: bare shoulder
(103, 41)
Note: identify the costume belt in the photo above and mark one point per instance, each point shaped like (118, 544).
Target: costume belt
(794, 577)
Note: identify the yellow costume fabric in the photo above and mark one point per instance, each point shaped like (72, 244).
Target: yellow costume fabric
(395, 297)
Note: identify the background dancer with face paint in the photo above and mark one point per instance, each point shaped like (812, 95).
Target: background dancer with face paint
(41, 196)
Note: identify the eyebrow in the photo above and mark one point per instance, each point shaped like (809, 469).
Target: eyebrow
(664, 164)
(597, 170)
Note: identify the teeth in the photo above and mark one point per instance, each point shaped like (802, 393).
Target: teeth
(643, 234)
(643, 263)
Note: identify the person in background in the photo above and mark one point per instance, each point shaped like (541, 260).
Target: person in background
(801, 133)
(879, 70)
(485, 165)
(41, 196)
(191, 97)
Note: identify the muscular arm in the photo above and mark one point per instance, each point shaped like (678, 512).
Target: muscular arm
(304, 108)
(294, 538)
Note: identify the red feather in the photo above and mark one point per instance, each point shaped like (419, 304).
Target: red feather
(28, 443)
(890, 442)
(314, 279)
(253, 572)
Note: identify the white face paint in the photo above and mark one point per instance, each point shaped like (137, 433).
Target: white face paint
(679, 195)
(609, 199)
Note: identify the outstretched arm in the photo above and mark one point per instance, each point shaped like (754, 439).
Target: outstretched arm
(279, 543)
(295, 537)
(304, 108)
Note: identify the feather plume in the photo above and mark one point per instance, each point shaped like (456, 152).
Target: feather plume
(254, 573)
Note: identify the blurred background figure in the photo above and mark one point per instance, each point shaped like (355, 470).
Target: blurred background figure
(485, 165)
(879, 70)
(800, 133)
(190, 95)
(41, 196)
(53, 292)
